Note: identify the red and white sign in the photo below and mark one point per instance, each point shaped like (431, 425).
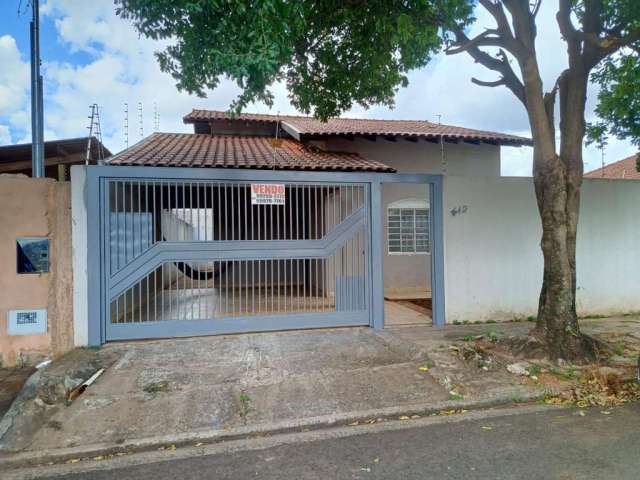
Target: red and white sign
(268, 194)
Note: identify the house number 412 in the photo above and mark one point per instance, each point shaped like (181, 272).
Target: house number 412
(459, 210)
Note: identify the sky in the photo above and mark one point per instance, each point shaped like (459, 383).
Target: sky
(89, 55)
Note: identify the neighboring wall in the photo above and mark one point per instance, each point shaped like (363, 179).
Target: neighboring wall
(41, 208)
(493, 262)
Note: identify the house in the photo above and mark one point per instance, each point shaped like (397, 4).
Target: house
(625, 169)
(59, 155)
(269, 222)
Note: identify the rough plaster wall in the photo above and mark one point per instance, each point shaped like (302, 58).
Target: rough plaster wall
(35, 207)
(61, 284)
(493, 263)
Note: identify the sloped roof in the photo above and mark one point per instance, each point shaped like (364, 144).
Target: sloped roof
(309, 126)
(232, 151)
(54, 148)
(623, 169)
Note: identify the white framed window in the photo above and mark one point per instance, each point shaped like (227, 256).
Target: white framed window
(408, 227)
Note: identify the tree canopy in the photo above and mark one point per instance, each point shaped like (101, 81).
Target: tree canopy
(330, 54)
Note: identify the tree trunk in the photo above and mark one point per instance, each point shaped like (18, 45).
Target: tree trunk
(558, 197)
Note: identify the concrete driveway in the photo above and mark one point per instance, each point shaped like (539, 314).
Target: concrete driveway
(156, 388)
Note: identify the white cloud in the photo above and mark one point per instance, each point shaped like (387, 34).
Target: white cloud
(14, 81)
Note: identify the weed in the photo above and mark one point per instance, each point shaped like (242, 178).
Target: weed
(619, 349)
(491, 321)
(493, 337)
(457, 322)
(156, 387)
(468, 338)
(55, 425)
(534, 369)
(466, 322)
(531, 318)
(455, 396)
(426, 366)
(478, 322)
(570, 373)
(245, 403)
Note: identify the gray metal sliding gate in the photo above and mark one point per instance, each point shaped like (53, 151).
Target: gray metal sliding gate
(195, 256)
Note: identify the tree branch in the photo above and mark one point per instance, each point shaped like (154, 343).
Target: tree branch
(482, 40)
(568, 31)
(499, 64)
(604, 46)
(483, 83)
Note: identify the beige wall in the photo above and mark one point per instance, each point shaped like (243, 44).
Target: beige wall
(463, 159)
(35, 207)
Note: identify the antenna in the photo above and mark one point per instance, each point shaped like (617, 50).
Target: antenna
(141, 127)
(94, 128)
(156, 117)
(126, 125)
(99, 135)
(90, 128)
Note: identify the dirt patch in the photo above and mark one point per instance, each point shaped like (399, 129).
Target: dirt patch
(11, 382)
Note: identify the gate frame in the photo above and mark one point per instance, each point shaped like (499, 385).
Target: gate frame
(97, 315)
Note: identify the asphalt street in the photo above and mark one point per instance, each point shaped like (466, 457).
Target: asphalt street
(557, 444)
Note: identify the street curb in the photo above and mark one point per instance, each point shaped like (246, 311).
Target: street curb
(61, 455)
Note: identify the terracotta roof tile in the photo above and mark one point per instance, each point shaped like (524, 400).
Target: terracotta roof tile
(225, 151)
(354, 126)
(622, 169)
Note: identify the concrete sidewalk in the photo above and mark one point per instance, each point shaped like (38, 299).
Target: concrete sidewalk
(158, 392)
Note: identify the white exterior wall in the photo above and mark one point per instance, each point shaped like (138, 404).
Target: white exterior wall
(79, 246)
(493, 262)
(412, 273)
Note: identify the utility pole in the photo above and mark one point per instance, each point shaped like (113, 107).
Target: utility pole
(37, 114)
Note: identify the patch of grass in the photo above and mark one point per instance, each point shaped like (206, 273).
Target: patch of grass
(534, 369)
(493, 337)
(468, 338)
(491, 321)
(618, 349)
(592, 317)
(156, 387)
(456, 397)
(531, 318)
(571, 373)
(245, 404)
(457, 322)
(466, 322)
